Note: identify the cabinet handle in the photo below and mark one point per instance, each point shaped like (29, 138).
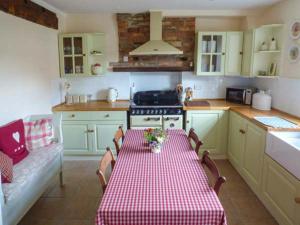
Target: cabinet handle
(242, 131)
(107, 115)
(223, 53)
(72, 116)
(90, 131)
(171, 118)
(83, 54)
(187, 121)
(297, 200)
(153, 119)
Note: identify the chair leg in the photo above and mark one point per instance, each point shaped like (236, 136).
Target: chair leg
(61, 179)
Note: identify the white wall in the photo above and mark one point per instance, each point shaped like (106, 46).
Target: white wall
(28, 64)
(98, 22)
(285, 90)
(219, 23)
(212, 87)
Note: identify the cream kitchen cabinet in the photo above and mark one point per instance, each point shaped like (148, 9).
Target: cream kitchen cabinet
(219, 53)
(79, 52)
(211, 127)
(89, 133)
(234, 53)
(246, 150)
(210, 53)
(279, 192)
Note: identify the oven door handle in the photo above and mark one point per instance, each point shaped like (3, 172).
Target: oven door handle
(152, 119)
(171, 118)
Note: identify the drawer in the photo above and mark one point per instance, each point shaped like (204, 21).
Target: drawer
(97, 115)
(145, 121)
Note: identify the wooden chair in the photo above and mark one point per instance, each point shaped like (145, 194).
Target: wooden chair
(108, 159)
(210, 164)
(119, 134)
(194, 137)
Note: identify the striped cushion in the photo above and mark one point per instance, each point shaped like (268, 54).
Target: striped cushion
(38, 133)
(6, 167)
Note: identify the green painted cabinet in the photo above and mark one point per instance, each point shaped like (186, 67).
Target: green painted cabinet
(246, 150)
(236, 140)
(234, 53)
(211, 127)
(210, 53)
(79, 52)
(89, 133)
(279, 191)
(252, 161)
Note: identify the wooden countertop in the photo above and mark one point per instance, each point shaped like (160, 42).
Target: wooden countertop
(214, 104)
(122, 105)
(247, 112)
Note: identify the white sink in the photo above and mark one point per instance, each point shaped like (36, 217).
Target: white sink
(284, 147)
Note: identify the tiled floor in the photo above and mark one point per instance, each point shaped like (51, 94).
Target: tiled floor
(77, 202)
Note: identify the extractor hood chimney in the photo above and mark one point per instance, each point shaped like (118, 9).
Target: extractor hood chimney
(156, 46)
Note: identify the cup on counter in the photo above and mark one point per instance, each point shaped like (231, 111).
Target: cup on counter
(75, 99)
(69, 99)
(83, 98)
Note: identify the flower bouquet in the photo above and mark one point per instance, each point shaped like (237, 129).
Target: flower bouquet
(155, 138)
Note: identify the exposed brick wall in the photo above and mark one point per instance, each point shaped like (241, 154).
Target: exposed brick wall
(134, 30)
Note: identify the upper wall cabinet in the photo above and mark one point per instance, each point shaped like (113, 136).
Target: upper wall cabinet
(82, 54)
(262, 51)
(210, 53)
(234, 53)
(219, 53)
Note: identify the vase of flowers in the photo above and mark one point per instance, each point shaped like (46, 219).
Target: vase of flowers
(155, 138)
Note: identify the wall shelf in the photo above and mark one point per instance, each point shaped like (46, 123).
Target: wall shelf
(268, 51)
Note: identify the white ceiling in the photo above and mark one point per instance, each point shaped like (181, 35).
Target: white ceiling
(92, 6)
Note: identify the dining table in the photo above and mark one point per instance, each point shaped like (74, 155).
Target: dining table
(166, 188)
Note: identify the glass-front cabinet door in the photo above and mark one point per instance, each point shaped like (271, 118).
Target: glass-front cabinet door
(73, 55)
(211, 53)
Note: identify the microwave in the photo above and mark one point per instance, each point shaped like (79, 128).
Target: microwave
(240, 95)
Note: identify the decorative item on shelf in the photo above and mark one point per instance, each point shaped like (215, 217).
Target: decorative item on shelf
(204, 46)
(294, 53)
(95, 52)
(78, 69)
(97, 69)
(273, 45)
(213, 46)
(132, 91)
(264, 46)
(262, 73)
(155, 139)
(272, 69)
(295, 29)
(188, 94)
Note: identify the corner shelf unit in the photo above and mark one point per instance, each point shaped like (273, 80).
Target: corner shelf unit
(262, 59)
(79, 52)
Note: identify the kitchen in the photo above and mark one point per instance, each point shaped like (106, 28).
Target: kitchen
(138, 68)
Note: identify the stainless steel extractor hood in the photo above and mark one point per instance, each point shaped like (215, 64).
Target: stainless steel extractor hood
(156, 46)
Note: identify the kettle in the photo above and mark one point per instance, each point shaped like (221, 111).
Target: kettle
(112, 95)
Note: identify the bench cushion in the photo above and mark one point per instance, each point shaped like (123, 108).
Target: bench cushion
(30, 169)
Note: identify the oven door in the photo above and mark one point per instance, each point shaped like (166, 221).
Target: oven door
(172, 122)
(143, 122)
(235, 95)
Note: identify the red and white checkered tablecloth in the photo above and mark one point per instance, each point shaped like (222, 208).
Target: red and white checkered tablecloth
(169, 188)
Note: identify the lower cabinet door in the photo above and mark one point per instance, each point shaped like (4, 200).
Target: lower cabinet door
(252, 165)
(104, 134)
(236, 140)
(279, 191)
(211, 128)
(75, 137)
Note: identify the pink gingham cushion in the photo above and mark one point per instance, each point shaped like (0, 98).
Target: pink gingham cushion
(38, 133)
(6, 167)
